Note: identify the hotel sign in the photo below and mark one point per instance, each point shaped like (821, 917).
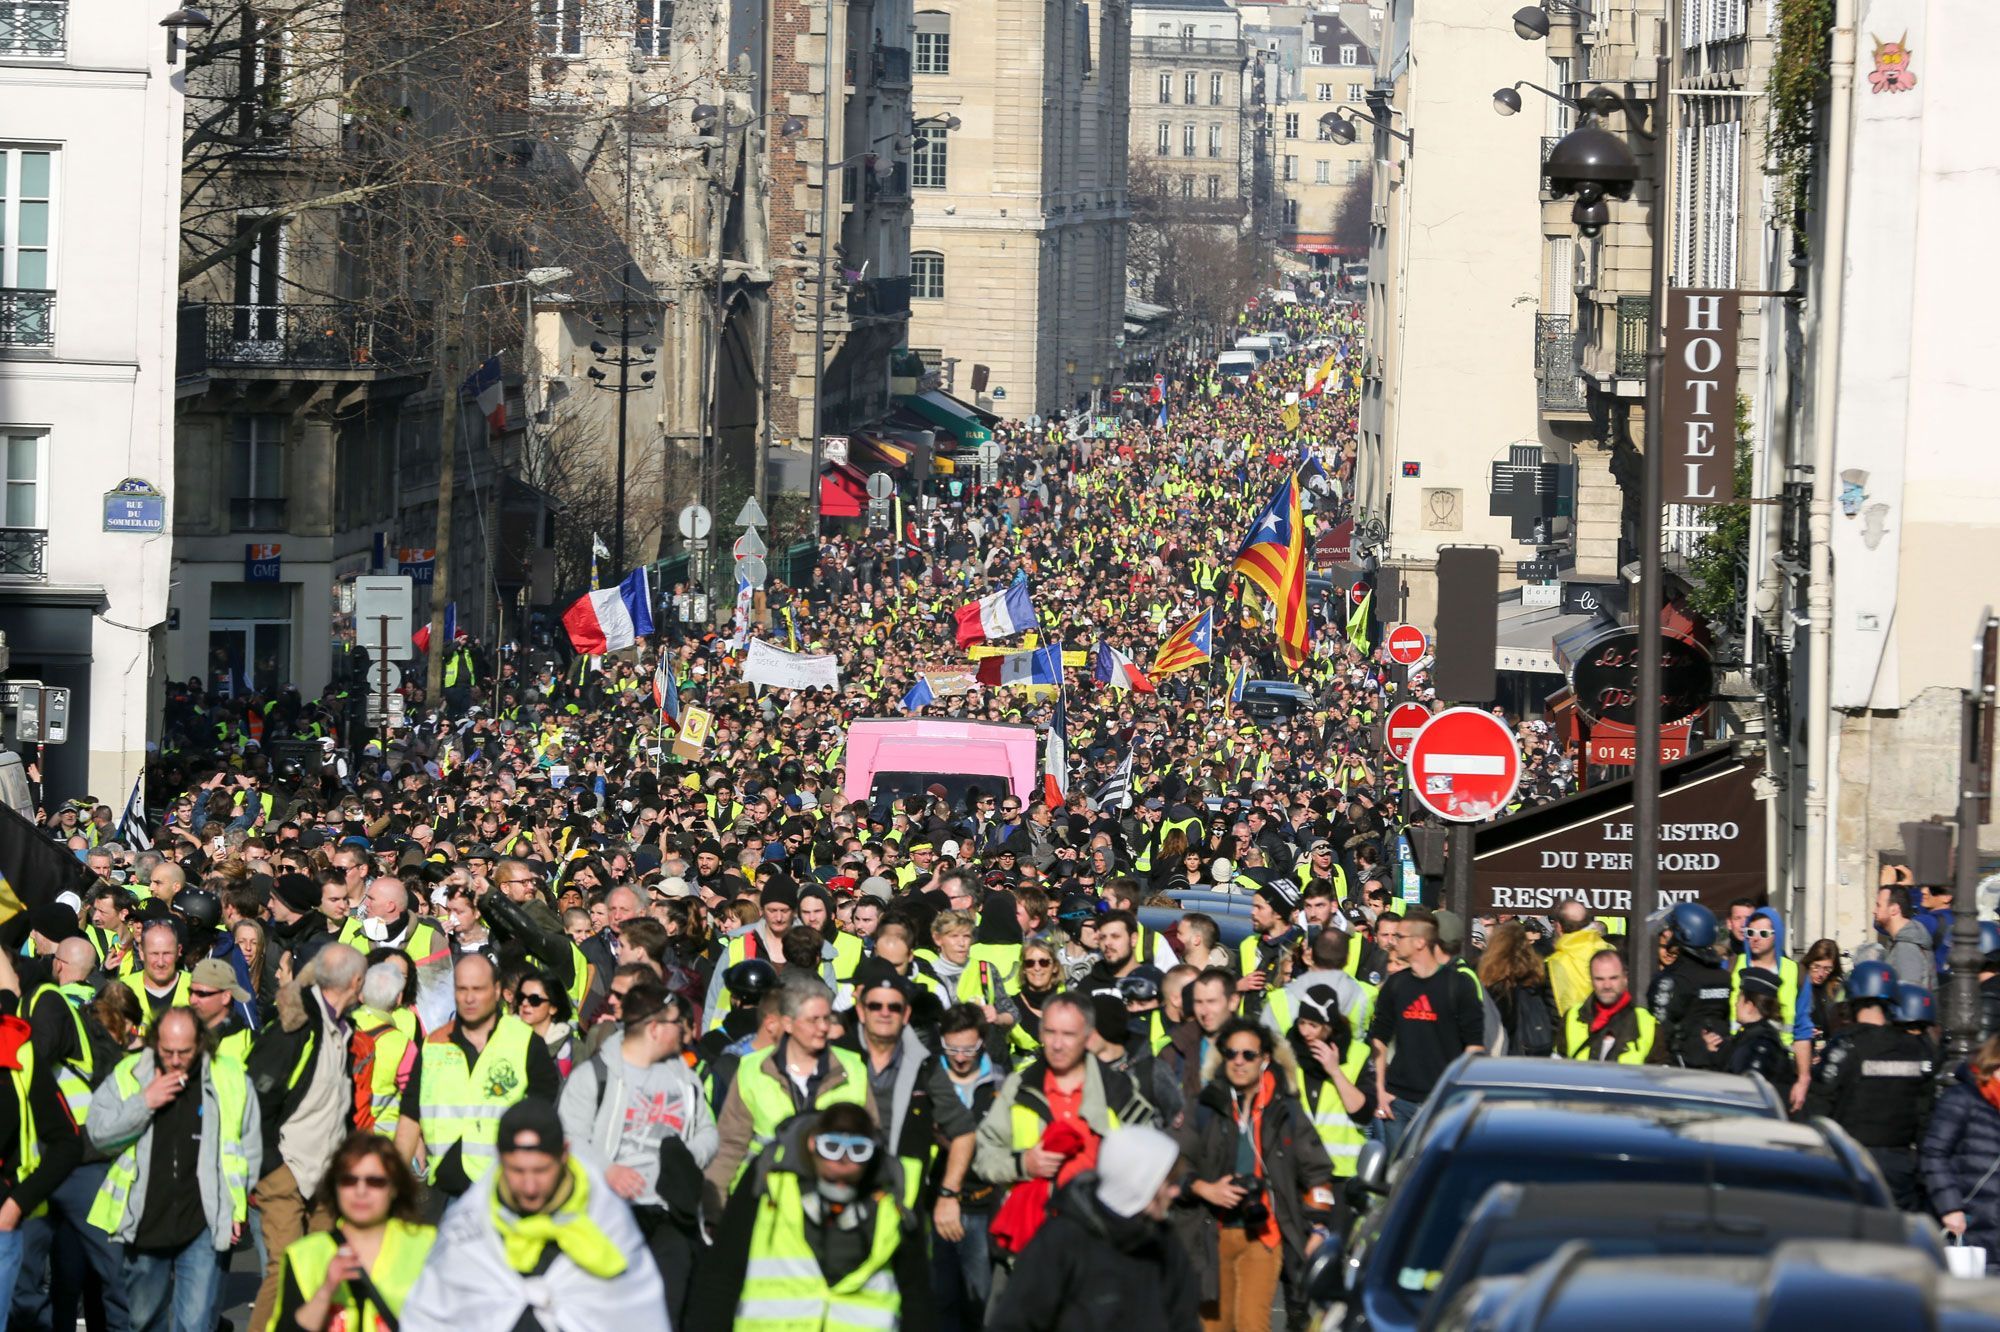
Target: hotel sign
(1699, 429)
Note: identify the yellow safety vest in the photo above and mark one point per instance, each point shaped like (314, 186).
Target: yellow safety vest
(136, 983)
(1337, 1132)
(232, 1097)
(385, 1098)
(405, 1248)
(73, 1076)
(1788, 992)
(783, 1287)
(988, 970)
(770, 1104)
(463, 1105)
(425, 943)
(1577, 1042)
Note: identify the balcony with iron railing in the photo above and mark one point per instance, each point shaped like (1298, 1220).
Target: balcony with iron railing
(34, 29)
(1635, 324)
(892, 67)
(1560, 388)
(24, 554)
(326, 339)
(27, 319)
(1224, 48)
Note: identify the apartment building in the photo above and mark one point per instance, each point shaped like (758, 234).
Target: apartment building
(89, 193)
(1448, 403)
(1188, 105)
(1018, 241)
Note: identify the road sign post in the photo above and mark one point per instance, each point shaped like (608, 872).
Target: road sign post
(1463, 767)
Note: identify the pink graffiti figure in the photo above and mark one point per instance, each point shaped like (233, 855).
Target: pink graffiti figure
(1892, 73)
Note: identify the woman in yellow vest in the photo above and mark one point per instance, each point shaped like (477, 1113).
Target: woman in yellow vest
(363, 1269)
(1331, 1057)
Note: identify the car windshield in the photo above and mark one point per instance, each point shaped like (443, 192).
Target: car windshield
(1435, 1108)
(1453, 1191)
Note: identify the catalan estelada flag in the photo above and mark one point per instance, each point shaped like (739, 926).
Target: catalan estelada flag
(1273, 557)
(1190, 645)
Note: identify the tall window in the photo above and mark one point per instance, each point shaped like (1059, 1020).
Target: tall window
(927, 277)
(1215, 90)
(653, 27)
(1322, 173)
(1187, 187)
(1166, 138)
(1188, 133)
(27, 497)
(1291, 167)
(1291, 212)
(260, 72)
(1354, 93)
(27, 237)
(1188, 88)
(1324, 92)
(1354, 166)
(259, 269)
(1167, 89)
(257, 474)
(34, 29)
(1349, 55)
(927, 158)
(1187, 32)
(1215, 187)
(1558, 122)
(933, 54)
(1215, 140)
(560, 27)
(1291, 124)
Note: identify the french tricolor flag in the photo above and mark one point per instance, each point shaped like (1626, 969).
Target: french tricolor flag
(611, 617)
(1038, 666)
(1119, 671)
(485, 387)
(1001, 615)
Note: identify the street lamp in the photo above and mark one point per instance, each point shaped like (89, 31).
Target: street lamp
(181, 21)
(1340, 126)
(1532, 23)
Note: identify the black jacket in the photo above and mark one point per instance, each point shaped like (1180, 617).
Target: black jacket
(1088, 1269)
(1960, 1148)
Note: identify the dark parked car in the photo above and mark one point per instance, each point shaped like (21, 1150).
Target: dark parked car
(1640, 1086)
(1275, 700)
(1396, 1253)
(1808, 1284)
(1517, 1227)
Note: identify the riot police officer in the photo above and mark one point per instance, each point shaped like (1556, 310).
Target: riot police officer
(1689, 998)
(1877, 1078)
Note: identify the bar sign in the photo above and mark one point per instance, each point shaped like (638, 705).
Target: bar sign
(1699, 429)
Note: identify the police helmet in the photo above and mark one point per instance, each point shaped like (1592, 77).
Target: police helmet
(1693, 925)
(200, 907)
(1872, 981)
(1913, 1004)
(750, 980)
(1138, 989)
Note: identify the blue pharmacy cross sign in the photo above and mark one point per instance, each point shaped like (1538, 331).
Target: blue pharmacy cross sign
(135, 505)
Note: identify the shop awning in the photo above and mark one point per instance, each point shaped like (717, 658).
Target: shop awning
(1527, 637)
(949, 414)
(877, 450)
(843, 491)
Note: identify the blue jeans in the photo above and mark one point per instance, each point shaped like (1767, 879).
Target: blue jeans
(174, 1290)
(1405, 1113)
(11, 1246)
(962, 1276)
(80, 1252)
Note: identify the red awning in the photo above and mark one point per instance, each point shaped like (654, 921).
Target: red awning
(843, 492)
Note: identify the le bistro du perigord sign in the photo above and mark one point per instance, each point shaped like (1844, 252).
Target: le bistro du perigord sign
(1711, 845)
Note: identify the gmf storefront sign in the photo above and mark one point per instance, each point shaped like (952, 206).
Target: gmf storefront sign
(1711, 850)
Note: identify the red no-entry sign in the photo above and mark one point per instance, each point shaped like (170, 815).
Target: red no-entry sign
(1407, 645)
(1464, 765)
(1401, 728)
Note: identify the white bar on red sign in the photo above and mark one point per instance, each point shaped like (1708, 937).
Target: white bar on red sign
(1466, 765)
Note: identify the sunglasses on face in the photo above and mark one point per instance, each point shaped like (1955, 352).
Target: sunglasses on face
(882, 1006)
(854, 1147)
(1759, 934)
(961, 1051)
(1243, 1056)
(1037, 964)
(363, 1181)
(203, 994)
(531, 1001)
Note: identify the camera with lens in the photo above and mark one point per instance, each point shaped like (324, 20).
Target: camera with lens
(1253, 1212)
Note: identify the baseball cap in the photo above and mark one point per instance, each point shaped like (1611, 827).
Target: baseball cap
(531, 1125)
(877, 887)
(1450, 929)
(212, 973)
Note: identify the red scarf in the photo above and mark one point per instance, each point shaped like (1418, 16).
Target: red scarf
(1989, 1087)
(1600, 1016)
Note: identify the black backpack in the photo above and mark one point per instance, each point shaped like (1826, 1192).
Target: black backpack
(1533, 1029)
